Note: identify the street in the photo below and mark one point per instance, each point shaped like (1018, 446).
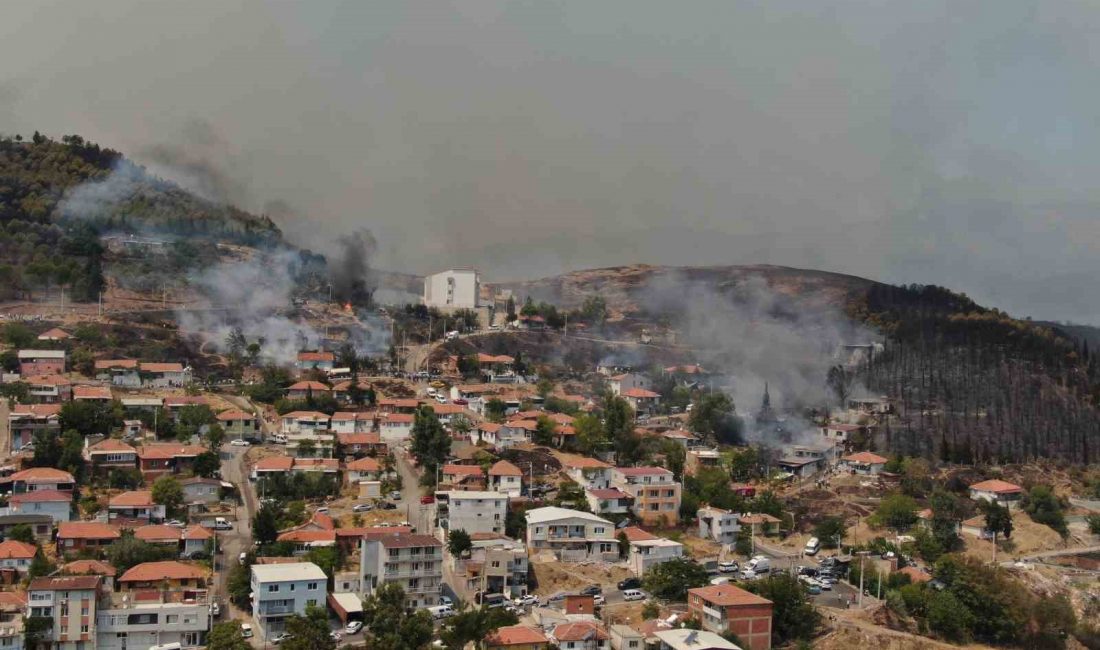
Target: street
(239, 539)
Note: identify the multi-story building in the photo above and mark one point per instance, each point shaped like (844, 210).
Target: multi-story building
(496, 565)
(41, 478)
(303, 422)
(413, 561)
(120, 372)
(507, 478)
(110, 453)
(34, 363)
(655, 490)
(727, 608)
(572, 535)
(137, 506)
(720, 525)
(160, 603)
(13, 607)
(69, 602)
(453, 289)
(56, 504)
(473, 512)
(239, 424)
(280, 590)
(609, 501)
(698, 459)
(16, 555)
(49, 389)
(26, 420)
(648, 550)
(590, 473)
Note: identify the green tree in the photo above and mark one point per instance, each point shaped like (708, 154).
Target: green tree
(239, 582)
(265, 523)
(510, 309)
(128, 551)
(544, 431)
(591, 437)
(474, 624)
(37, 631)
(89, 417)
(458, 542)
(675, 458)
(650, 610)
(40, 565)
(168, 493)
(793, 615)
(743, 544)
(671, 580)
(22, 533)
(624, 545)
(328, 558)
(215, 436)
(468, 366)
(713, 417)
(998, 518)
(829, 531)
(947, 617)
(389, 624)
(18, 335)
(430, 442)
(206, 464)
(495, 409)
(1044, 507)
(619, 427)
(226, 636)
(309, 632)
(897, 511)
(1094, 524)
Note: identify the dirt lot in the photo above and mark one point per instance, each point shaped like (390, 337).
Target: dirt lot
(1027, 537)
(697, 547)
(864, 635)
(556, 577)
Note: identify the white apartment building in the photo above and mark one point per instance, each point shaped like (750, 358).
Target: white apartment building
(471, 511)
(647, 553)
(413, 561)
(70, 602)
(507, 478)
(496, 565)
(720, 525)
(572, 535)
(279, 590)
(122, 624)
(453, 289)
(590, 473)
(303, 422)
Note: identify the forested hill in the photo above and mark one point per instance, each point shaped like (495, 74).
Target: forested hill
(976, 385)
(57, 197)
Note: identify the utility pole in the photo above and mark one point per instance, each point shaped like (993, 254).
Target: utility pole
(101, 304)
(994, 548)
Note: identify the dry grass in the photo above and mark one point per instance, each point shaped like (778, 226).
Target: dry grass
(556, 577)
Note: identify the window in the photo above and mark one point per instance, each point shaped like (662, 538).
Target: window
(292, 586)
(84, 610)
(173, 618)
(84, 629)
(312, 602)
(312, 586)
(598, 530)
(273, 589)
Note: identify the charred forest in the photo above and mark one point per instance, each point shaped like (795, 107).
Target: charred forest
(974, 385)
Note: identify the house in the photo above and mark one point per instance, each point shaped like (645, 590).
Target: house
(282, 590)
(352, 422)
(40, 525)
(699, 458)
(516, 637)
(396, 427)
(648, 550)
(485, 433)
(453, 289)
(49, 389)
(471, 511)
(761, 523)
(515, 432)
(174, 404)
(842, 434)
(110, 453)
(589, 473)
(319, 360)
(272, 465)
(310, 444)
(727, 608)
(120, 372)
(976, 527)
(683, 438)
(341, 390)
(305, 389)
(655, 490)
(65, 632)
(239, 424)
(495, 565)
(169, 575)
(507, 478)
(303, 422)
(461, 477)
(159, 534)
(581, 635)
(158, 459)
(134, 405)
(687, 639)
(571, 535)
(13, 607)
(76, 536)
(609, 501)
(135, 506)
(863, 462)
(58, 505)
(624, 637)
(413, 561)
(1002, 492)
(25, 420)
(364, 469)
(641, 400)
(92, 393)
(164, 375)
(54, 334)
(16, 555)
(358, 444)
(717, 524)
(195, 539)
(40, 478)
(201, 490)
(620, 384)
(800, 466)
(34, 363)
(398, 405)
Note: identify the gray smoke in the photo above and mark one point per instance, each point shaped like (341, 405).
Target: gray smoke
(202, 161)
(350, 271)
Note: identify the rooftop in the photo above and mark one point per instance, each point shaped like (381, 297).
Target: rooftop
(724, 595)
(288, 572)
(516, 635)
(164, 571)
(554, 513)
(997, 486)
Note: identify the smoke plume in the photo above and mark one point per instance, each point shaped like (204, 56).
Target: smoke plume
(351, 273)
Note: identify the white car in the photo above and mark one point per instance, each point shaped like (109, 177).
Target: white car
(335, 636)
(727, 567)
(598, 599)
(362, 507)
(353, 627)
(279, 638)
(175, 523)
(240, 442)
(246, 630)
(634, 594)
(529, 599)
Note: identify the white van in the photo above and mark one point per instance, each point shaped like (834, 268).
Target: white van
(758, 565)
(279, 438)
(812, 546)
(221, 523)
(441, 611)
(633, 594)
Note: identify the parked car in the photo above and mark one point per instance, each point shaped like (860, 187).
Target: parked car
(175, 523)
(241, 442)
(812, 546)
(446, 600)
(362, 507)
(598, 599)
(441, 611)
(220, 523)
(634, 594)
(529, 599)
(353, 627)
(386, 505)
(215, 609)
(395, 496)
(592, 590)
(727, 567)
(242, 558)
(629, 583)
(335, 636)
(246, 630)
(813, 589)
(428, 498)
(279, 638)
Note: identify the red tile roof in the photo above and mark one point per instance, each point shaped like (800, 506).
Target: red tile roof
(157, 533)
(364, 465)
(86, 530)
(235, 414)
(309, 385)
(197, 532)
(94, 567)
(307, 536)
(723, 595)
(11, 549)
(997, 486)
(41, 496)
(43, 475)
(408, 540)
(579, 632)
(274, 464)
(64, 583)
(107, 364)
(110, 446)
(515, 635)
(635, 534)
(865, 457)
(585, 463)
(504, 468)
(305, 415)
(316, 356)
(640, 393)
(161, 367)
(132, 499)
(170, 570)
(461, 470)
(398, 418)
(166, 451)
(759, 518)
(359, 438)
(54, 334)
(609, 493)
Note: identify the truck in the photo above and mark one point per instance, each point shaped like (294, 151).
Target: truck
(758, 565)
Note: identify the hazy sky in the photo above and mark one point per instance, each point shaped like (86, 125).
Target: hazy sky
(949, 142)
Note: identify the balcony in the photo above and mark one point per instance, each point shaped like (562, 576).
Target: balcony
(275, 610)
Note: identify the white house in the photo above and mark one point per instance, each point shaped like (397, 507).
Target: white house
(164, 375)
(347, 422)
(720, 525)
(17, 555)
(280, 590)
(572, 535)
(590, 473)
(303, 422)
(54, 503)
(453, 289)
(619, 384)
(396, 427)
(472, 511)
(507, 478)
(364, 469)
(863, 462)
(609, 501)
(1002, 492)
(648, 550)
(120, 372)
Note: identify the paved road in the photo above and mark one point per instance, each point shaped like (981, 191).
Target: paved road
(419, 515)
(240, 538)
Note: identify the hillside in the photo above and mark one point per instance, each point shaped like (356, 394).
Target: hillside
(58, 198)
